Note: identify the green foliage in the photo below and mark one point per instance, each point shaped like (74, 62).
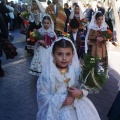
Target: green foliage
(90, 75)
(37, 35)
(25, 15)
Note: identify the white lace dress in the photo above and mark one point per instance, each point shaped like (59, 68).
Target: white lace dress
(41, 54)
(51, 93)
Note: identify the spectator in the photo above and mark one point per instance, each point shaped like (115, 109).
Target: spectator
(12, 4)
(67, 11)
(19, 7)
(48, 2)
(110, 17)
(24, 8)
(11, 15)
(100, 7)
(88, 12)
(4, 12)
(3, 36)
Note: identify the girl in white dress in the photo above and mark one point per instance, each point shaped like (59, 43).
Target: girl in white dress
(58, 93)
(42, 47)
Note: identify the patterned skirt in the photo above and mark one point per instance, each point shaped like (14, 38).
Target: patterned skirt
(40, 57)
(104, 58)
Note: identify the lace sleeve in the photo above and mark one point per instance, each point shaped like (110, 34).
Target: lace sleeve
(46, 96)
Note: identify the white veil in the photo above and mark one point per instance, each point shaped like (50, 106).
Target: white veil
(80, 14)
(41, 8)
(52, 23)
(49, 64)
(46, 84)
(75, 60)
(93, 21)
(94, 26)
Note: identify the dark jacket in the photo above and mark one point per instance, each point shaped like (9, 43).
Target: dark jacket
(102, 10)
(3, 32)
(88, 14)
(4, 12)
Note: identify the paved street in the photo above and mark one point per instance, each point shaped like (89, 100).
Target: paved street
(18, 87)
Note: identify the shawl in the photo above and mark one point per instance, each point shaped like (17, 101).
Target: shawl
(80, 14)
(59, 20)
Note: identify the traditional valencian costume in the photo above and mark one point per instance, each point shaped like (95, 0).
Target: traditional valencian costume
(58, 16)
(41, 53)
(80, 16)
(77, 38)
(52, 91)
(93, 47)
(35, 19)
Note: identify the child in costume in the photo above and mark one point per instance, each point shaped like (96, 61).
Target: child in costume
(42, 47)
(58, 93)
(78, 14)
(77, 37)
(36, 14)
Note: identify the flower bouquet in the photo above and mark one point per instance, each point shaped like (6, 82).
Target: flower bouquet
(107, 34)
(93, 75)
(83, 22)
(35, 35)
(66, 34)
(25, 15)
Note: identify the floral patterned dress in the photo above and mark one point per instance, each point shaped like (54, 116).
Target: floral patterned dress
(41, 54)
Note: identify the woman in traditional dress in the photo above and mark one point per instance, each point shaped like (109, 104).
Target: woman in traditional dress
(36, 14)
(57, 13)
(42, 47)
(58, 93)
(78, 14)
(95, 43)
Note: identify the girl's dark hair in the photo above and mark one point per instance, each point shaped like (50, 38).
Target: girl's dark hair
(74, 24)
(46, 18)
(76, 5)
(66, 4)
(99, 14)
(62, 44)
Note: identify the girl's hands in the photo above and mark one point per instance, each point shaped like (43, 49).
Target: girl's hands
(99, 39)
(68, 101)
(42, 43)
(74, 92)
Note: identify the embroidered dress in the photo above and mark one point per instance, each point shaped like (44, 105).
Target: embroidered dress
(95, 48)
(41, 53)
(52, 91)
(79, 41)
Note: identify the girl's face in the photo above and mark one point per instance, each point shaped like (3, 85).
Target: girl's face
(63, 56)
(46, 24)
(99, 20)
(77, 10)
(34, 5)
(65, 6)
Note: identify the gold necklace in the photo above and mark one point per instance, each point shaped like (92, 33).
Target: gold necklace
(64, 71)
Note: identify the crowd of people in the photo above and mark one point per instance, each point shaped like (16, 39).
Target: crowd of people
(67, 34)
